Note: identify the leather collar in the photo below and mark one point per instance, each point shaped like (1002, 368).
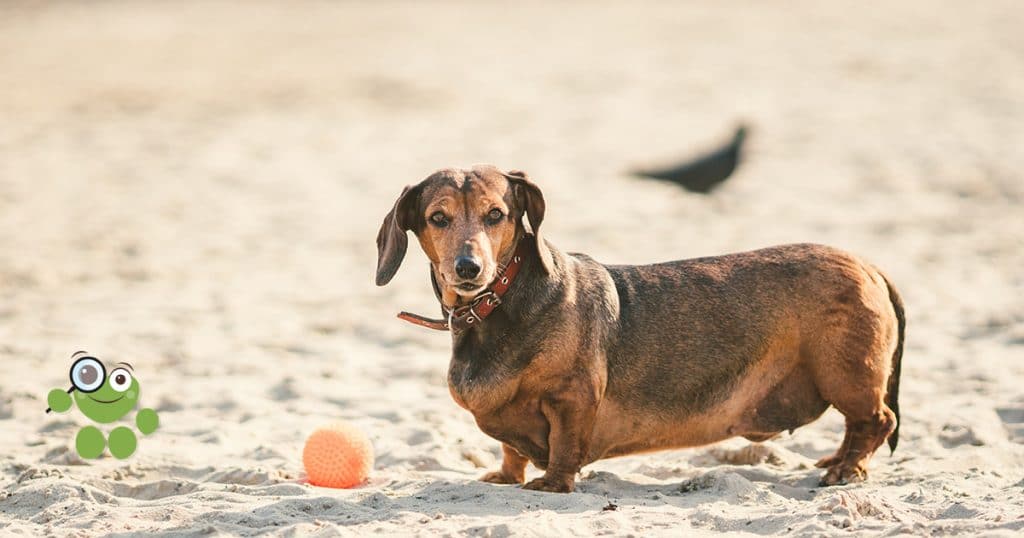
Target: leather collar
(466, 316)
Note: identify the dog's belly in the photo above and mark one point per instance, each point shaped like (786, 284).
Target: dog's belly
(776, 395)
(619, 431)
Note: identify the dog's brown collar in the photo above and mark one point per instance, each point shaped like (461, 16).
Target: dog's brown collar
(466, 316)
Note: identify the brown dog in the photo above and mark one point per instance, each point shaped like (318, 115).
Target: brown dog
(567, 361)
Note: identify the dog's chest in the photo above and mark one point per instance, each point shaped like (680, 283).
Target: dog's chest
(483, 375)
(502, 407)
(479, 388)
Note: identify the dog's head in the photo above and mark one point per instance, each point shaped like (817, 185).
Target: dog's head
(467, 222)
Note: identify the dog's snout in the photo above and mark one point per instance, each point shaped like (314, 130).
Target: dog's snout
(467, 267)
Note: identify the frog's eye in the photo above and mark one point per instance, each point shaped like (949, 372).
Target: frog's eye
(87, 374)
(120, 380)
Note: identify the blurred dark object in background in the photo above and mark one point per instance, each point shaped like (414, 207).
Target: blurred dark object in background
(703, 173)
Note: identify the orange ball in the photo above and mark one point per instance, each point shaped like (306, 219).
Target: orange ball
(337, 456)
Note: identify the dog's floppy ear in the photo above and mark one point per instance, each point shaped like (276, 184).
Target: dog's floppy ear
(531, 200)
(391, 239)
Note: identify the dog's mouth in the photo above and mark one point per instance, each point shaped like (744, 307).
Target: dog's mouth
(469, 289)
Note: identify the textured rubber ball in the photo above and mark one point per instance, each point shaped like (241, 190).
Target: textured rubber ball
(337, 456)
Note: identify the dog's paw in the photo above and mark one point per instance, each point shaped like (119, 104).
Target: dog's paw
(840, 475)
(551, 485)
(499, 477)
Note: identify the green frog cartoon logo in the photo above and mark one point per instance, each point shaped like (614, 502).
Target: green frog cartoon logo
(103, 399)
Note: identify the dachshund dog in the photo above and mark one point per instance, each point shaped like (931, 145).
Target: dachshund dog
(566, 361)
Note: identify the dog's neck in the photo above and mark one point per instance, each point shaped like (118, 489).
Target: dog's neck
(529, 295)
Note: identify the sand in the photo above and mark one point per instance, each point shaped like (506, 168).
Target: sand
(195, 189)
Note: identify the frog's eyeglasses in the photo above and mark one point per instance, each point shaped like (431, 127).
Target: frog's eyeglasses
(87, 374)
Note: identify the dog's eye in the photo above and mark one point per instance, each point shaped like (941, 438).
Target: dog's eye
(438, 219)
(495, 216)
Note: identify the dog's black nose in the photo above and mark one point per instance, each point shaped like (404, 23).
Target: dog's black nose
(467, 267)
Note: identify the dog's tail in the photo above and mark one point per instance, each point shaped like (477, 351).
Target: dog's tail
(892, 395)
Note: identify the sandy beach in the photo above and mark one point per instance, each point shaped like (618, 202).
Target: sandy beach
(195, 188)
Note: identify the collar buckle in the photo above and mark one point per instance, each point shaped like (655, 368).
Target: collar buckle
(491, 298)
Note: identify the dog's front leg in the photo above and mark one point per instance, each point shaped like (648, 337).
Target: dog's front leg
(570, 416)
(513, 468)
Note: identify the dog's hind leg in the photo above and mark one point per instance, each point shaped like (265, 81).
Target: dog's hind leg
(866, 433)
(852, 353)
(857, 389)
(829, 461)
